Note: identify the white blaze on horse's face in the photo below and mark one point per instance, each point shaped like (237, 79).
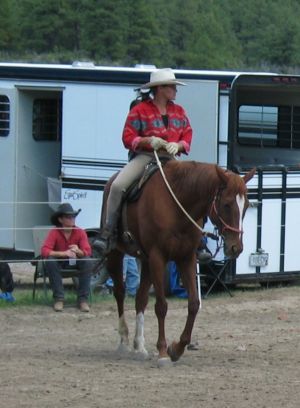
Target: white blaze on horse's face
(240, 200)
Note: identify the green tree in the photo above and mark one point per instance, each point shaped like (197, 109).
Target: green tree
(105, 28)
(47, 26)
(268, 31)
(200, 34)
(203, 37)
(146, 40)
(6, 25)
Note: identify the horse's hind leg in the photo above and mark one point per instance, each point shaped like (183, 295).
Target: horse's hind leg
(141, 302)
(115, 269)
(188, 276)
(157, 270)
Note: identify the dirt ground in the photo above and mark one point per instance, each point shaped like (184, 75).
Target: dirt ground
(248, 356)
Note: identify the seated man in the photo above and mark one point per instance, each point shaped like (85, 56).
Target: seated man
(67, 245)
(6, 282)
(131, 275)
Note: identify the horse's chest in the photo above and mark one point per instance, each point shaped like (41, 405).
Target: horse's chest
(182, 244)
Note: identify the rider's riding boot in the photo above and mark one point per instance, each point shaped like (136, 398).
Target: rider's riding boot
(105, 241)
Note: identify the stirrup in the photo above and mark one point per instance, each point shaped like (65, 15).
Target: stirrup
(102, 245)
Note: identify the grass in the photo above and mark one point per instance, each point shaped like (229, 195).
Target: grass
(23, 296)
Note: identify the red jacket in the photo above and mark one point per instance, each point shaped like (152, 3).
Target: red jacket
(145, 119)
(56, 241)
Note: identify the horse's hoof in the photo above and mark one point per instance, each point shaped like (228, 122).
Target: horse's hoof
(164, 362)
(173, 356)
(193, 346)
(123, 348)
(141, 355)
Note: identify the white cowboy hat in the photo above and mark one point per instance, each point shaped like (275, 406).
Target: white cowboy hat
(163, 76)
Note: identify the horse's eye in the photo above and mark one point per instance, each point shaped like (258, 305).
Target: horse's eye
(226, 206)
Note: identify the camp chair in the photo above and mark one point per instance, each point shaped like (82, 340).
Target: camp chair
(213, 271)
(217, 271)
(39, 235)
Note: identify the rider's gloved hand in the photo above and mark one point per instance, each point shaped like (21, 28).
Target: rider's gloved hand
(172, 148)
(157, 143)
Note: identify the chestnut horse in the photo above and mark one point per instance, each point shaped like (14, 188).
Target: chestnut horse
(163, 233)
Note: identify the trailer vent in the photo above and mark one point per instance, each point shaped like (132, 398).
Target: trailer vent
(4, 115)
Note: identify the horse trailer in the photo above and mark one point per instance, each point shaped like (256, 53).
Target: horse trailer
(60, 140)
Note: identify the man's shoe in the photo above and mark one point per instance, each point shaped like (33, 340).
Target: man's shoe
(58, 306)
(84, 307)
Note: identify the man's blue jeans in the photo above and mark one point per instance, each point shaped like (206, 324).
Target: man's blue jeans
(54, 267)
(131, 275)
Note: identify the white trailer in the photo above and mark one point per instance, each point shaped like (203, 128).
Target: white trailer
(62, 124)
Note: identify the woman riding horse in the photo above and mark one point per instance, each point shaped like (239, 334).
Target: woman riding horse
(156, 222)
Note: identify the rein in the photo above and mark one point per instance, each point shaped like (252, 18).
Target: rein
(174, 197)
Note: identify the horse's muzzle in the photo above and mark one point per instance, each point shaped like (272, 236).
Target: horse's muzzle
(232, 251)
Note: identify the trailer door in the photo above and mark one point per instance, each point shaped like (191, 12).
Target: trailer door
(38, 156)
(265, 133)
(7, 166)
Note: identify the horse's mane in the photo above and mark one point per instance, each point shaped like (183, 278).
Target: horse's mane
(191, 175)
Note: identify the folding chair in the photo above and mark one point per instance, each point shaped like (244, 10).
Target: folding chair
(39, 235)
(213, 272)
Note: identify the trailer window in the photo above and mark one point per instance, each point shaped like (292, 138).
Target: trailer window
(46, 121)
(277, 126)
(4, 115)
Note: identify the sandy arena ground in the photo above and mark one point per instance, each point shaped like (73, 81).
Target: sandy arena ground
(249, 355)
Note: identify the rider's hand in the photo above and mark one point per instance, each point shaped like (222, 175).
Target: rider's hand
(172, 148)
(157, 143)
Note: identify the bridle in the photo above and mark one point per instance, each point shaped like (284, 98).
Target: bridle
(213, 209)
(213, 206)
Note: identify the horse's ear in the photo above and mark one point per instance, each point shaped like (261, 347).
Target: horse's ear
(248, 176)
(222, 174)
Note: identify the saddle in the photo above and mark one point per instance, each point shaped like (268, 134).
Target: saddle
(135, 190)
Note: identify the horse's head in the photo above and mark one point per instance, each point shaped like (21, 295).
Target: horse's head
(228, 209)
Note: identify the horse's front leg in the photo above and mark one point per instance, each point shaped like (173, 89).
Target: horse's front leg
(188, 275)
(115, 269)
(141, 302)
(157, 267)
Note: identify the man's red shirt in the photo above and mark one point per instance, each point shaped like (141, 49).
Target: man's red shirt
(56, 241)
